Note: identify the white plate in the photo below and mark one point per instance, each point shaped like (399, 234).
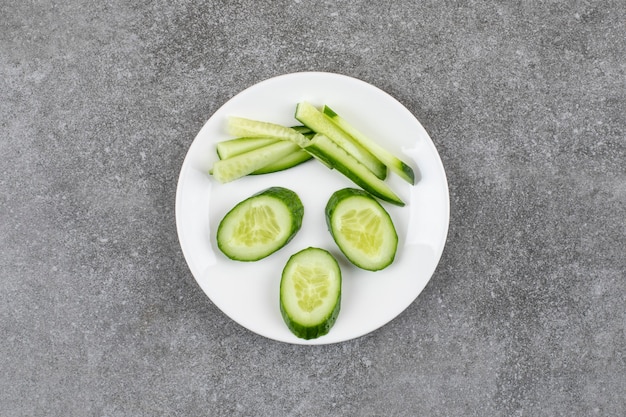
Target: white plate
(248, 292)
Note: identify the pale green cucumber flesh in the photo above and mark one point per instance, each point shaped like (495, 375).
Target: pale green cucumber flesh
(260, 225)
(289, 161)
(241, 126)
(233, 147)
(306, 131)
(362, 229)
(394, 164)
(329, 152)
(311, 117)
(226, 170)
(310, 293)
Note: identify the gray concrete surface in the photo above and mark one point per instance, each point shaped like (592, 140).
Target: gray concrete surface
(525, 315)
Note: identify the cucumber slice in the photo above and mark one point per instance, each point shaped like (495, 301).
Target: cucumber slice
(310, 293)
(391, 161)
(260, 225)
(333, 155)
(289, 161)
(311, 117)
(240, 126)
(226, 170)
(233, 147)
(362, 229)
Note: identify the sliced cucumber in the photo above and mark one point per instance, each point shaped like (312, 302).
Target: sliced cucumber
(333, 155)
(311, 117)
(226, 170)
(304, 130)
(240, 126)
(362, 229)
(391, 161)
(260, 225)
(289, 161)
(233, 147)
(310, 293)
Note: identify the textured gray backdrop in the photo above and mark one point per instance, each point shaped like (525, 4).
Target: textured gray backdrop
(525, 101)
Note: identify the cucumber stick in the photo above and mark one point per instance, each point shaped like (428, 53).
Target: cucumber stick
(310, 116)
(226, 170)
(260, 225)
(391, 161)
(289, 161)
(328, 151)
(233, 147)
(310, 293)
(240, 126)
(362, 229)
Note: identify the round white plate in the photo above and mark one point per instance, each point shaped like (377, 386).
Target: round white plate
(248, 292)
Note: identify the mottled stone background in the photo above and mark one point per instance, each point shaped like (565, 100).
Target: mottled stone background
(525, 101)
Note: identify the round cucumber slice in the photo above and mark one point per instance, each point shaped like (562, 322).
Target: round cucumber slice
(260, 225)
(310, 293)
(362, 229)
